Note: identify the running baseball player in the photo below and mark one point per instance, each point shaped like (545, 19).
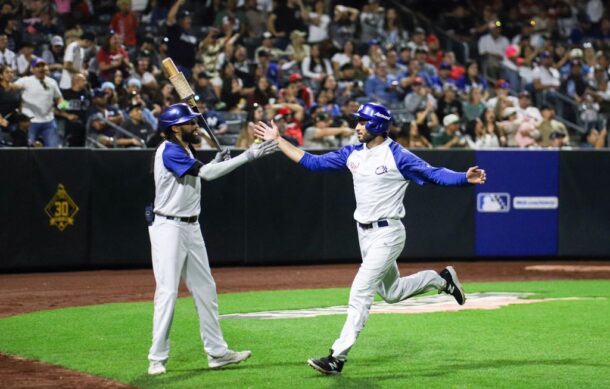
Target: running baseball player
(175, 235)
(381, 171)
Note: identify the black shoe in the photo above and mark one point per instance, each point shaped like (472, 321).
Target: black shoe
(327, 365)
(453, 287)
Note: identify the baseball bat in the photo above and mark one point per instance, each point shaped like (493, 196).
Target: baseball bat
(186, 93)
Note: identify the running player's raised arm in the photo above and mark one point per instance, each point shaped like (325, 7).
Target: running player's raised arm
(416, 169)
(335, 160)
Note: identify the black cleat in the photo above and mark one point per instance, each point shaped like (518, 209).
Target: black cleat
(327, 365)
(453, 287)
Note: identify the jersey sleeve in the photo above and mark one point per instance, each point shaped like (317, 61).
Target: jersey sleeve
(416, 169)
(177, 161)
(335, 160)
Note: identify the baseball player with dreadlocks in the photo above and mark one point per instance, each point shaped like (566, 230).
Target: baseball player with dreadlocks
(381, 171)
(176, 241)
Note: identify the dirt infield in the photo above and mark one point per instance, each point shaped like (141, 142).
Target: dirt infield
(22, 293)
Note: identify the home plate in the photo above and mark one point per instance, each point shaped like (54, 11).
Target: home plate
(425, 304)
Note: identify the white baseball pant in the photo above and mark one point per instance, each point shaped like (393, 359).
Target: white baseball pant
(380, 247)
(178, 250)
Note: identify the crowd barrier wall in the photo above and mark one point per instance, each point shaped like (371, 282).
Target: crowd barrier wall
(84, 209)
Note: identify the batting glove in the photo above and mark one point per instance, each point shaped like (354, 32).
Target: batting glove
(223, 155)
(258, 150)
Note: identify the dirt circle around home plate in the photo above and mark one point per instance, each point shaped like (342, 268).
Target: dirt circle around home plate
(23, 293)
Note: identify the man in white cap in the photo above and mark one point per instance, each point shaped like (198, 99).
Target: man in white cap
(451, 136)
(54, 56)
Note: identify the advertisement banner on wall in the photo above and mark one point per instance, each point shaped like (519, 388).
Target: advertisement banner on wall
(517, 208)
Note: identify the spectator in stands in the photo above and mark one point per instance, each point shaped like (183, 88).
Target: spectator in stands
(44, 25)
(54, 57)
(182, 44)
(10, 94)
(526, 110)
(451, 136)
(574, 85)
(459, 23)
(286, 17)
(166, 96)
(25, 58)
(409, 137)
(215, 120)
(315, 67)
(267, 45)
(291, 116)
(395, 69)
(419, 40)
(457, 71)
(371, 20)
(392, 32)
(144, 72)
(558, 140)
(40, 96)
(428, 72)
(502, 97)
(478, 138)
(110, 112)
(255, 20)
(509, 125)
(232, 92)
(322, 136)
(435, 54)
(449, 102)
(111, 57)
(318, 22)
(419, 97)
(74, 56)
(343, 27)
(444, 76)
(526, 135)
(546, 78)
(595, 139)
(267, 68)
(264, 93)
(427, 121)
(380, 87)
(230, 15)
(474, 106)
(204, 89)
(125, 23)
(99, 130)
(246, 137)
(19, 137)
(7, 57)
(298, 49)
(141, 130)
(325, 103)
(472, 79)
(490, 126)
(361, 72)
(74, 116)
(343, 57)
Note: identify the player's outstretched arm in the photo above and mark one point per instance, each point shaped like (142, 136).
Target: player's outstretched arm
(476, 175)
(219, 167)
(271, 132)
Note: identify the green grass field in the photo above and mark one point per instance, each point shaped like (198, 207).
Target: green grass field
(560, 344)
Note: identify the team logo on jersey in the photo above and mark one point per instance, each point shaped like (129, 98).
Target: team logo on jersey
(353, 166)
(61, 209)
(381, 170)
(493, 202)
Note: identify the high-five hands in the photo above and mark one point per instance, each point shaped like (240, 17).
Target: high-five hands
(264, 131)
(258, 150)
(475, 175)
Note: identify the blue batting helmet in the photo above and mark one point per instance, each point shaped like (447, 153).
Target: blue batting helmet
(377, 116)
(176, 114)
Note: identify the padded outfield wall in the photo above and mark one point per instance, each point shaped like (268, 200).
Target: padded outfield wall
(84, 209)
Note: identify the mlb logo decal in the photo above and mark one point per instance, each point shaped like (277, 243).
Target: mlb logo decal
(493, 202)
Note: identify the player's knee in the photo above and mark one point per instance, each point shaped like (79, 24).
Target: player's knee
(390, 298)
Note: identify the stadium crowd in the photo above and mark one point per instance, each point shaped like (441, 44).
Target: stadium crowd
(77, 73)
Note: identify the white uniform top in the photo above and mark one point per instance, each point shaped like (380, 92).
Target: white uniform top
(176, 193)
(381, 176)
(75, 54)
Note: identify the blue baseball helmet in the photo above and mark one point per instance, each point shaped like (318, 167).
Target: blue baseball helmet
(176, 114)
(377, 116)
